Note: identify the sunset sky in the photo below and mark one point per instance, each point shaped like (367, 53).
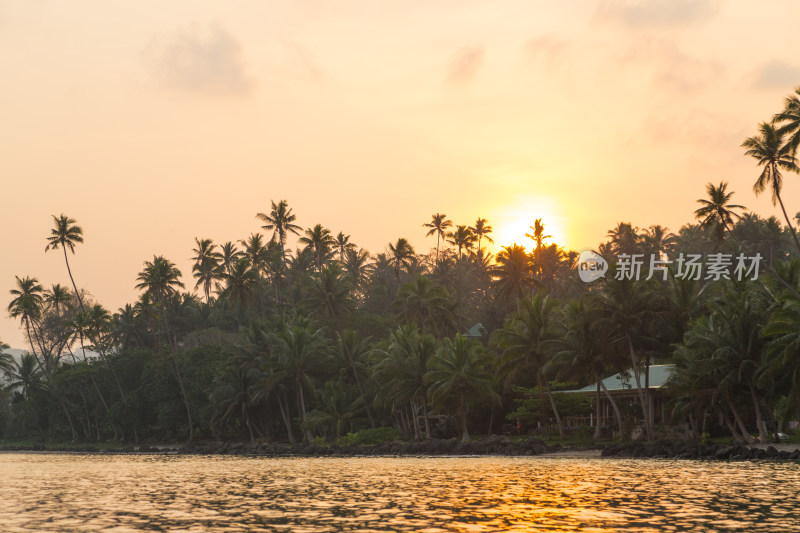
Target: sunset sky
(153, 123)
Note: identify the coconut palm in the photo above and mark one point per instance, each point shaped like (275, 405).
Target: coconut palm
(281, 221)
(26, 375)
(206, 268)
(789, 119)
(461, 370)
(66, 234)
(481, 230)
(463, 239)
(772, 153)
(351, 354)
(523, 340)
(58, 298)
(343, 245)
(331, 293)
(426, 305)
(6, 361)
(321, 243)
(228, 256)
(240, 282)
(658, 240)
(356, 264)
(717, 211)
(513, 273)
(537, 233)
(438, 226)
(402, 256)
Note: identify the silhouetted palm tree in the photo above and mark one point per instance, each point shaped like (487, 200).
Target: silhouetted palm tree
(206, 266)
(537, 235)
(771, 152)
(402, 256)
(481, 230)
(462, 238)
(66, 234)
(438, 226)
(320, 241)
(789, 119)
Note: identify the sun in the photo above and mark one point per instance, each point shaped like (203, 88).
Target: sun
(511, 225)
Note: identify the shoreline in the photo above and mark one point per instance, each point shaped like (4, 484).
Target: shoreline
(492, 446)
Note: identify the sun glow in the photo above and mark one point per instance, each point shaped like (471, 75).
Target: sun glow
(511, 225)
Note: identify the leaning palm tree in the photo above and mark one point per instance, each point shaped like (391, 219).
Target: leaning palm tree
(438, 226)
(66, 234)
(461, 370)
(772, 153)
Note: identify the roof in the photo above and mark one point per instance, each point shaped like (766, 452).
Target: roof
(659, 374)
(475, 331)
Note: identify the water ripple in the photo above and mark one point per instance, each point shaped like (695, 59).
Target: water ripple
(51, 492)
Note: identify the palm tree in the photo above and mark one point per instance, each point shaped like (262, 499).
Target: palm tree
(718, 212)
(538, 235)
(66, 234)
(356, 265)
(401, 370)
(789, 119)
(352, 354)
(160, 280)
(281, 221)
(659, 241)
(461, 369)
(462, 238)
(426, 305)
(240, 282)
(58, 297)
(6, 361)
(206, 266)
(438, 226)
(513, 273)
(331, 292)
(624, 239)
(343, 245)
(771, 152)
(25, 375)
(481, 229)
(402, 256)
(522, 341)
(320, 241)
(228, 256)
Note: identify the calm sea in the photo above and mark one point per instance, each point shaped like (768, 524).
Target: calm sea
(54, 492)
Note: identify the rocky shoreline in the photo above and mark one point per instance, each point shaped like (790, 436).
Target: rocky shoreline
(493, 445)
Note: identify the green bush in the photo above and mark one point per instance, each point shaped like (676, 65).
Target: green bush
(371, 436)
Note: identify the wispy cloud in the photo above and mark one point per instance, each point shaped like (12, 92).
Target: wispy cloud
(465, 64)
(776, 75)
(200, 59)
(672, 68)
(655, 13)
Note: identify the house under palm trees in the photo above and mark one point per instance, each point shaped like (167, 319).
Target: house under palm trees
(622, 387)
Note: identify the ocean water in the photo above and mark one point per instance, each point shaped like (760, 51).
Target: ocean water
(63, 492)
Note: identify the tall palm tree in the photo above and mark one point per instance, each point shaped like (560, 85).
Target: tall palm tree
(206, 266)
(402, 256)
(352, 354)
(160, 280)
(320, 241)
(66, 234)
(772, 153)
(462, 238)
(537, 234)
(426, 305)
(256, 251)
(356, 265)
(281, 220)
(461, 370)
(240, 282)
(438, 226)
(523, 341)
(481, 230)
(343, 245)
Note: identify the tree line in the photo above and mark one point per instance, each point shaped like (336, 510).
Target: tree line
(326, 340)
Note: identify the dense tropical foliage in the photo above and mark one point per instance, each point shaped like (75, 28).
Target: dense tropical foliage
(328, 339)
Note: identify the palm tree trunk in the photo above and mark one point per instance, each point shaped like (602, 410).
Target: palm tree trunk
(788, 222)
(561, 433)
(731, 426)
(287, 421)
(462, 411)
(763, 434)
(614, 406)
(597, 410)
(746, 434)
(302, 405)
(427, 424)
(642, 401)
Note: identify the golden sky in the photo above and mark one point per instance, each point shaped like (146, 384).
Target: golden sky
(152, 123)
